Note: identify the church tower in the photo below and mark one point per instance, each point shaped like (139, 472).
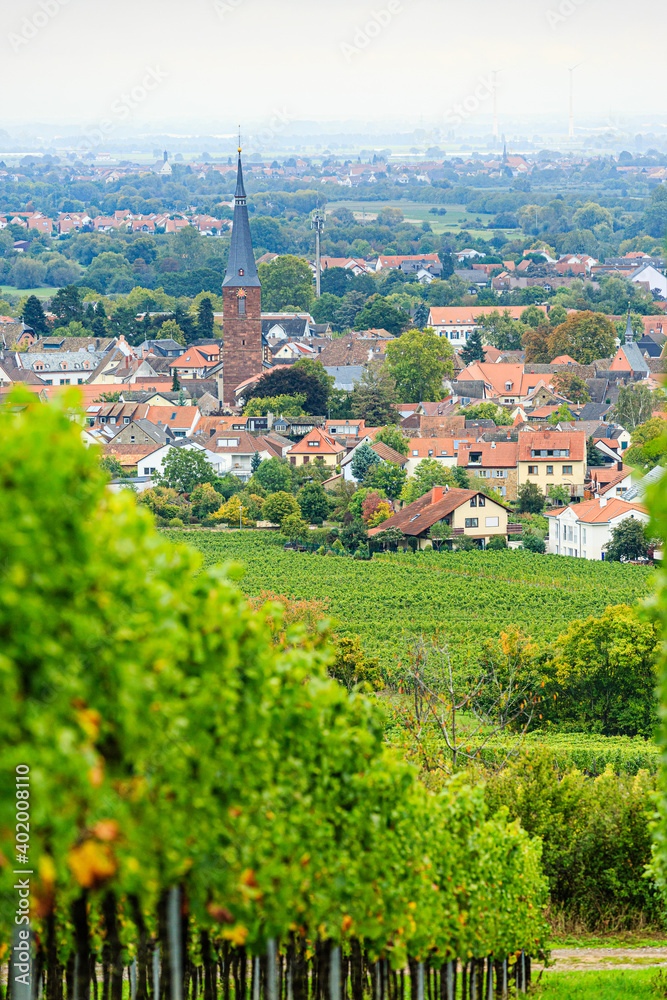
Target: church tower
(241, 302)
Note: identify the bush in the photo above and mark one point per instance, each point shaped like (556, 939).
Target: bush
(353, 668)
(496, 543)
(596, 836)
(533, 542)
(176, 522)
(321, 551)
(338, 547)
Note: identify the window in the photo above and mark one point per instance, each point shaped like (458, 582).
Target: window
(79, 381)
(240, 272)
(583, 535)
(624, 445)
(241, 307)
(550, 470)
(64, 381)
(567, 470)
(482, 501)
(126, 420)
(313, 444)
(415, 453)
(491, 522)
(471, 522)
(532, 470)
(500, 474)
(473, 502)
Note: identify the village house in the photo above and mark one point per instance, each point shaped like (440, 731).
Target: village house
(318, 446)
(457, 323)
(496, 461)
(465, 512)
(553, 458)
(584, 529)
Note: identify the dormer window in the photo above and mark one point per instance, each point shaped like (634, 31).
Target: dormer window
(240, 272)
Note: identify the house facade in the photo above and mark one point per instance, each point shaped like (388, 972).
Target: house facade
(584, 530)
(465, 512)
(553, 458)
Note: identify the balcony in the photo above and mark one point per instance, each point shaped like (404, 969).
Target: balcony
(514, 529)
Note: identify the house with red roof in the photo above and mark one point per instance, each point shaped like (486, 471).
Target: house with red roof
(584, 529)
(320, 447)
(465, 512)
(553, 458)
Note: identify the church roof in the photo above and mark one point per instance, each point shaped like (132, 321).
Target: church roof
(241, 268)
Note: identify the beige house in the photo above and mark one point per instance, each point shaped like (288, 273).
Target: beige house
(466, 512)
(553, 458)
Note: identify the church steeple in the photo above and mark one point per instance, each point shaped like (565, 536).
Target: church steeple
(241, 268)
(629, 335)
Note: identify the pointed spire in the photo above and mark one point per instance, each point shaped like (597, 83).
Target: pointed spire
(241, 268)
(629, 335)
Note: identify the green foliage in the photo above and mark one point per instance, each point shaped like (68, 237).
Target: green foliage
(363, 461)
(418, 362)
(496, 543)
(279, 506)
(635, 406)
(306, 377)
(561, 414)
(395, 438)
(530, 499)
(571, 386)
(171, 330)
(273, 475)
(501, 331)
(474, 348)
(628, 541)
(294, 527)
(585, 336)
(284, 406)
(594, 457)
(313, 502)
(205, 500)
(648, 446)
(603, 674)
(533, 542)
(33, 315)
(374, 396)
(488, 411)
(379, 314)
(111, 465)
(469, 596)
(184, 468)
(388, 478)
(353, 668)
(596, 836)
(356, 501)
(287, 280)
(428, 473)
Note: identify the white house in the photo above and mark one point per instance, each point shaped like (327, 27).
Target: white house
(655, 279)
(153, 463)
(584, 529)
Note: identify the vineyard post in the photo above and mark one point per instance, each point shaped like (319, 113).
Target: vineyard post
(255, 978)
(133, 979)
(489, 979)
(174, 933)
(271, 985)
(334, 974)
(156, 971)
(420, 981)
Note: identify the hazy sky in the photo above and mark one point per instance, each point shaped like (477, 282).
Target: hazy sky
(263, 61)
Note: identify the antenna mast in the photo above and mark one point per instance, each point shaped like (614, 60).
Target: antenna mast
(317, 223)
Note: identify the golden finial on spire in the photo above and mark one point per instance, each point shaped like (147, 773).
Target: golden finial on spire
(239, 138)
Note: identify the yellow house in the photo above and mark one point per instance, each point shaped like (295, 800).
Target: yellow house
(317, 446)
(553, 458)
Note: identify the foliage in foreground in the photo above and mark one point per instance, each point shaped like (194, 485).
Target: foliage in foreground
(172, 742)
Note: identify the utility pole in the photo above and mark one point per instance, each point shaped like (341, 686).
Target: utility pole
(317, 223)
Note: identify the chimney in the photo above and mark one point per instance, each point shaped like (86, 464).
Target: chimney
(603, 501)
(493, 444)
(619, 466)
(438, 493)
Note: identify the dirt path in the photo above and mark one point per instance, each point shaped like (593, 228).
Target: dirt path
(593, 959)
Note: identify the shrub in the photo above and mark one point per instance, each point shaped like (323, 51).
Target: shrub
(497, 542)
(176, 522)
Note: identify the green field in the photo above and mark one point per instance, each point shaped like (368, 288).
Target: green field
(42, 293)
(464, 597)
(457, 218)
(624, 984)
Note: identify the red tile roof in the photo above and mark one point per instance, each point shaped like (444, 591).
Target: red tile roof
(574, 441)
(423, 513)
(593, 512)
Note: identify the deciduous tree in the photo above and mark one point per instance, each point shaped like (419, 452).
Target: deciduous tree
(418, 362)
